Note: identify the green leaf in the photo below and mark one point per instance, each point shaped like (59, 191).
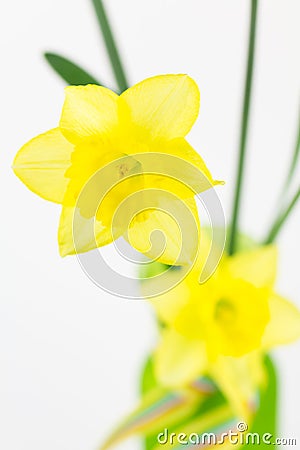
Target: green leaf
(69, 71)
(159, 408)
(265, 420)
(148, 382)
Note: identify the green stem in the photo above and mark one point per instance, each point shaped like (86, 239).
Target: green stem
(282, 217)
(110, 45)
(244, 128)
(293, 164)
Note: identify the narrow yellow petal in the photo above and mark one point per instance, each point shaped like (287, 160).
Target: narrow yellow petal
(169, 233)
(88, 111)
(239, 379)
(77, 234)
(41, 165)
(258, 266)
(201, 179)
(175, 166)
(178, 360)
(284, 326)
(165, 106)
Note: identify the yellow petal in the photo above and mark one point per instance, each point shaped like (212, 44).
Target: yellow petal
(169, 305)
(176, 167)
(41, 165)
(258, 266)
(177, 360)
(201, 179)
(168, 234)
(88, 234)
(284, 326)
(239, 379)
(165, 106)
(88, 111)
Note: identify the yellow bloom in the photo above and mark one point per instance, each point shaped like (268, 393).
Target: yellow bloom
(106, 134)
(223, 327)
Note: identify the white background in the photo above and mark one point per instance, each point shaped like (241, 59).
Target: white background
(71, 355)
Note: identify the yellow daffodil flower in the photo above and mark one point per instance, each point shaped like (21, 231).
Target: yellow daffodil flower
(222, 327)
(96, 129)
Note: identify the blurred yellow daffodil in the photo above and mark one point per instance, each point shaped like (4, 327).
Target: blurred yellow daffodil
(99, 128)
(224, 326)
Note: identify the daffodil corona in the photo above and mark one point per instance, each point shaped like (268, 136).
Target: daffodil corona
(99, 129)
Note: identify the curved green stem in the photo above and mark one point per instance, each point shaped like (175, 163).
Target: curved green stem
(293, 164)
(244, 128)
(110, 45)
(282, 217)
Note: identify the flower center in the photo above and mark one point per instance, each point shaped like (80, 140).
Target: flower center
(123, 170)
(225, 312)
